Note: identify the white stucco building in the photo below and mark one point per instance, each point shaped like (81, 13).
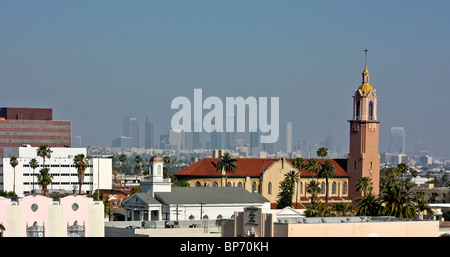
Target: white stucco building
(158, 200)
(65, 179)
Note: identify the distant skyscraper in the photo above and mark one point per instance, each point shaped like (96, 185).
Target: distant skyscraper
(131, 129)
(230, 137)
(177, 140)
(254, 143)
(329, 144)
(288, 137)
(149, 134)
(77, 142)
(216, 140)
(397, 142)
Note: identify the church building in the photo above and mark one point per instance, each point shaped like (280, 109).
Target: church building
(263, 175)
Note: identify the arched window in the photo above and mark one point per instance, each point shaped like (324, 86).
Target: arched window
(254, 187)
(240, 184)
(344, 188)
(301, 187)
(371, 110)
(229, 184)
(358, 110)
(159, 170)
(205, 217)
(269, 188)
(333, 188)
(198, 184)
(322, 188)
(215, 184)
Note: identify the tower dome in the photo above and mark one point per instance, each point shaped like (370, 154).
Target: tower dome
(156, 158)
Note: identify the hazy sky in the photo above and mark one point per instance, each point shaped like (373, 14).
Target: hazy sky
(95, 61)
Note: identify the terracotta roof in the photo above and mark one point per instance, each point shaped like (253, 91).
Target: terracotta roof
(252, 167)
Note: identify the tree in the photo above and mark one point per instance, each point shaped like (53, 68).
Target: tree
(81, 163)
(33, 164)
(122, 159)
(322, 152)
(299, 164)
(313, 166)
(327, 171)
(368, 205)
(342, 209)
(364, 184)
(44, 151)
(397, 202)
(13, 162)
(226, 163)
(137, 168)
(44, 179)
(284, 197)
(313, 188)
(422, 204)
(317, 209)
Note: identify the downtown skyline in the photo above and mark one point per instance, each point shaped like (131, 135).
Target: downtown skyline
(95, 62)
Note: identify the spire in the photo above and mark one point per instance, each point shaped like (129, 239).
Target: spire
(365, 74)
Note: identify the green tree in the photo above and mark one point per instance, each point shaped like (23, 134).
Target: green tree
(364, 184)
(368, 205)
(13, 162)
(137, 168)
(81, 163)
(397, 202)
(313, 166)
(44, 179)
(313, 188)
(44, 151)
(342, 209)
(122, 159)
(317, 209)
(327, 171)
(284, 197)
(226, 163)
(322, 152)
(422, 204)
(299, 164)
(33, 164)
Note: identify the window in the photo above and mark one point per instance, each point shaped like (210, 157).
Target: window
(228, 184)
(358, 111)
(269, 188)
(301, 187)
(344, 188)
(371, 110)
(240, 184)
(354, 165)
(371, 165)
(198, 184)
(322, 188)
(254, 187)
(215, 184)
(333, 188)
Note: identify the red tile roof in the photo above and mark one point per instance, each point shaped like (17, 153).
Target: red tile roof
(252, 167)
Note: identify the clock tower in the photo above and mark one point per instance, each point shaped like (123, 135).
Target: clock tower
(363, 159)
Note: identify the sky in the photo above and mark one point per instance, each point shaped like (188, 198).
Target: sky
(94, 62)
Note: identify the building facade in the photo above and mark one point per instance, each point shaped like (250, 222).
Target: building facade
(39, 216)
(23, 178)
(32, 126)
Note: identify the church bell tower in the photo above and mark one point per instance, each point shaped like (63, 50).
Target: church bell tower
(363, 159)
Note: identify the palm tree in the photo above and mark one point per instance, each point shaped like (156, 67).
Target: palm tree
(322, 152)
(33, 164)
(137, 169)
(369, 205)
(13, 161)
(327, 171)
(81, 163)
(342, 209)
(122, 159)
(298, 163)
(313, 188)
(313, 166)
(397, 202)
(422, 204)
(364, 184)
(226, 163)
(44, 151)
(44, 179)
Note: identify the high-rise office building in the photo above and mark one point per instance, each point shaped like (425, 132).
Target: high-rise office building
(254, 143)
(397, 140)
(288, 137)
(34, 127)
(131, 129)
(216, 140)
(149, 134)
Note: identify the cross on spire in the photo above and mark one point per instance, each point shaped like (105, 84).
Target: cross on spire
(365, 56)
